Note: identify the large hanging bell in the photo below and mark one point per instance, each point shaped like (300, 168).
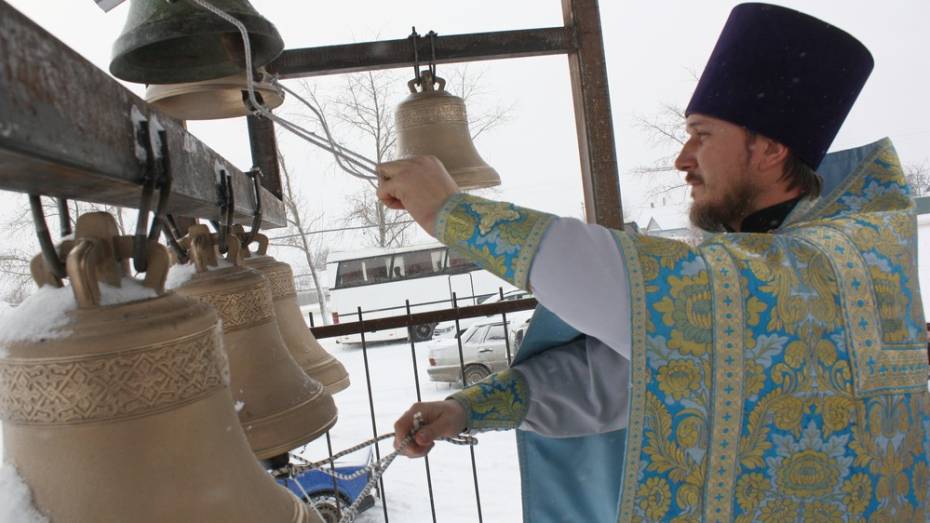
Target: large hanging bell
(434, 122)
(124, 413)
(178, 41)
(211, 99)
(309, 354)
(280, 407)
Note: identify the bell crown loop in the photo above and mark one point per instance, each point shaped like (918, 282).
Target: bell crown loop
(428, 82)
(203, 247)
(98, 254)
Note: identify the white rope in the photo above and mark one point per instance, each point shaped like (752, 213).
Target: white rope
(359, 162)
(375, 470)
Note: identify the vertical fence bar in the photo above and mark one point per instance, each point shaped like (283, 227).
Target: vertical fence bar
(506, 330)
(416, 381)
(371, 407)
(332, 468)
(471, 448)
(312, 324)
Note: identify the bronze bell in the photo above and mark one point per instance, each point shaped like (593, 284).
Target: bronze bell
(173, 42)
(434, 122)
(125, 413)
(309, 354)
(211, 99)
(281, 408)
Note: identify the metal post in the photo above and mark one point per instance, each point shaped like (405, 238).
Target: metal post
(416, 382)
(332, 468)
(506, 330)
(471, 449)
(371, 407)
(588, 68)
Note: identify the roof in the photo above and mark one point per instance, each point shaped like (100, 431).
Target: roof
(369, 252)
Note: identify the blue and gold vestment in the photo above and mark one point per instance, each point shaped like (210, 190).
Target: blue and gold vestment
(774, 377)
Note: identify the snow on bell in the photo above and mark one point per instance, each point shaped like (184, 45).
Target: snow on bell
(115, 397)
(211, 99)
(306, 350)
(280, 407)
(434, 122)
(178, 41)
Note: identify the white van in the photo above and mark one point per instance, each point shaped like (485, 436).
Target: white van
(380, 281)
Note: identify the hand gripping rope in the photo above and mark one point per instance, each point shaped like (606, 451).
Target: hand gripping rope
(376, 469)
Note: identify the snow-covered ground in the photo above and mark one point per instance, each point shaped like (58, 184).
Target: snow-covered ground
(405, 485)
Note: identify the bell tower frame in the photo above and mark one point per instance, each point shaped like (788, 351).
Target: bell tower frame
(69, 130)
(580, 39)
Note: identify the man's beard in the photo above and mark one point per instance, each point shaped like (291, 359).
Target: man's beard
(731, 208)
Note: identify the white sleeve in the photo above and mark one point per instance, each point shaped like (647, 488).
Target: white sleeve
(579, 275)
(577, 389)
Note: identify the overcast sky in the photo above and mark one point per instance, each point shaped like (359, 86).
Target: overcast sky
(653, 51)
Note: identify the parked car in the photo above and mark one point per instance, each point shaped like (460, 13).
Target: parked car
(484, 350)
(447, 329)
(331, 496)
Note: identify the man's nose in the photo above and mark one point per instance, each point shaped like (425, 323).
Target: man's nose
(686, 161)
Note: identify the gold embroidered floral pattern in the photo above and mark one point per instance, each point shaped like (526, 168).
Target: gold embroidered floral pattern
(679, 378)
(499, 237)
(499, 402)
(655, 498)
(833, 419)
(689, 310)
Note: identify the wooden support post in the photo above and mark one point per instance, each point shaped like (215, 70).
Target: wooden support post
(265, 153)
(591, 95)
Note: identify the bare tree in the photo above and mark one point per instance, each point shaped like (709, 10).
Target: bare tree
(481, 118)
(918, 177)
(666, 129)
(299, 226)
(19, 231)
(366, 106)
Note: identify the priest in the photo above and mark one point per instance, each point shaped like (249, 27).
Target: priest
(775, 372)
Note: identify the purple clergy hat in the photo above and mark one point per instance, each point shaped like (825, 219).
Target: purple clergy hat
(785, 75)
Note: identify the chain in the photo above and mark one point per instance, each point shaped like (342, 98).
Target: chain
(375, 470)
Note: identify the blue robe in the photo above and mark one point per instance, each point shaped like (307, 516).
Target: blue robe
(774, 377)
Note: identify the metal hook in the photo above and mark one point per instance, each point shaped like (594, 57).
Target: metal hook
(164, 187)
(172, 233)
(227, 207)
(64, 217)
(255, 174)
(49, 253)
(432, 48)
(415, 40)
(149, 178)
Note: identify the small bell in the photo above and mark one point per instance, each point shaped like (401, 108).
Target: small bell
(281, 408)
(211, 99)
(434, 122)
(309, 354)
(173, 42)
(123, 412)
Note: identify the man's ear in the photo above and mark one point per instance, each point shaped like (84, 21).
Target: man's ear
(770, 153)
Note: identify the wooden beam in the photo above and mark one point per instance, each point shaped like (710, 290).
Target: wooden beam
(67, 130)
(388, 54)
(588, 68)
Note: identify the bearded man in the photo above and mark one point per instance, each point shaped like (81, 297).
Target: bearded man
(776, 372)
